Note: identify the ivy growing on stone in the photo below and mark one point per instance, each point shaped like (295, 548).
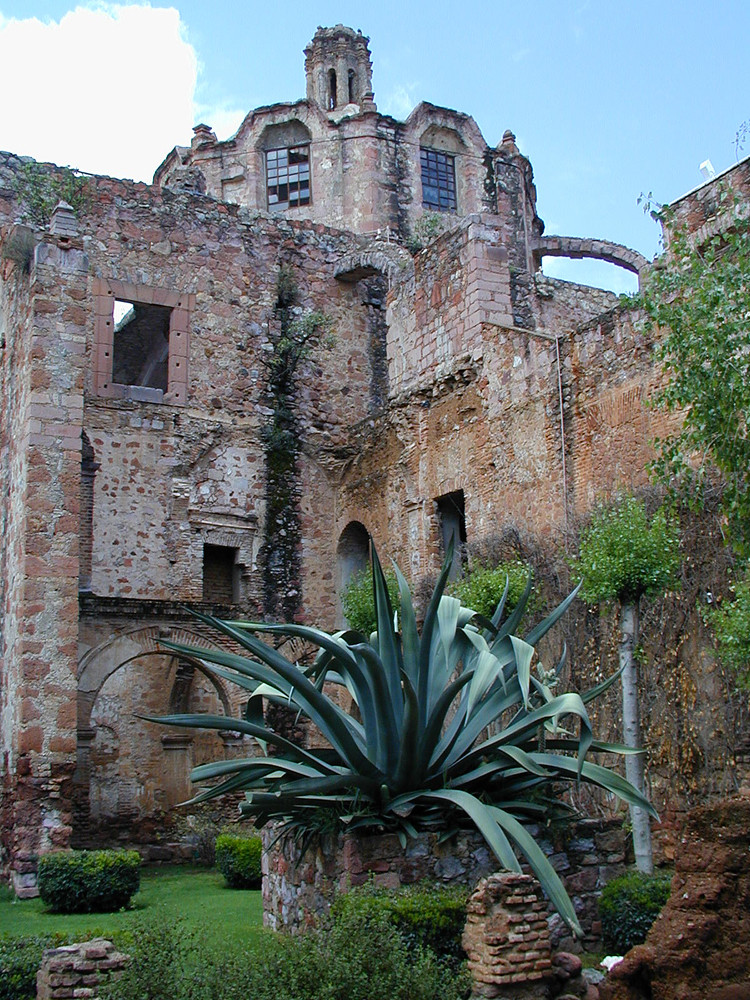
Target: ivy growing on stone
(293, 337)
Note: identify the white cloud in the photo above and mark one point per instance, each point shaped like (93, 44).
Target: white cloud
(400, 102)
(108, 89)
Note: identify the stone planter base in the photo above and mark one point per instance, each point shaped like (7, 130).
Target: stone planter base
(298, 889)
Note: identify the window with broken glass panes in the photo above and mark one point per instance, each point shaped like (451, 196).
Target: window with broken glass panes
(438, 180)
(288, 177)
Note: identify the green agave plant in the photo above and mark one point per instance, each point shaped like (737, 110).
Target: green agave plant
(448, 729)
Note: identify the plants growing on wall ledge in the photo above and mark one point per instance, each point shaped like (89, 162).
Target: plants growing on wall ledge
(415, 753)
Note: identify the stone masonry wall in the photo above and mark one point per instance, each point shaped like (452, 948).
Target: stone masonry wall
(299, 888)
(39, 655)
(77, 971)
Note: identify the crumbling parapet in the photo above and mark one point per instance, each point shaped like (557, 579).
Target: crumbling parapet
(506, 937)
(76, 971)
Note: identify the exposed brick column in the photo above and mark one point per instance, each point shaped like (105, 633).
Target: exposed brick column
(76, 971)
(506, 936)
(41, 627)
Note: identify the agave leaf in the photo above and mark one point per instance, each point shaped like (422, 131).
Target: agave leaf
(482, 818)
(409, 634)
(609, 780)
(544, 626)
(332, 722)
(541, 867)
(226, 724)
(511, 624)
(497, 617)
(430, 619)
(599, 689)
(388, 647)
(524, 654)
(265, 765)
(408, 764)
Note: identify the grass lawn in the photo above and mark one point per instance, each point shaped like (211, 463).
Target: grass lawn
(198, 896)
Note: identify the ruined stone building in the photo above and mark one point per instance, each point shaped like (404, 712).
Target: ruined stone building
(217, 386)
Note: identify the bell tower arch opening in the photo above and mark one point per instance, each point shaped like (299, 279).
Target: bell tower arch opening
(338, 67)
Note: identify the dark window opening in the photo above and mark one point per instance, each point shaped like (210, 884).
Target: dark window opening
(288, 177)
(220, 574)
(452, 517)
(331, 89)
(438, 180)
(141, 345)
(352, 86)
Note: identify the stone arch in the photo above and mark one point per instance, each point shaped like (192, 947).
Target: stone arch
(97, 665)
(386, 259)
(577, 248)
(130, 774)
(284, 134)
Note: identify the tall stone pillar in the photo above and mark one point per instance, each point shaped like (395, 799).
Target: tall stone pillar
(47, 318)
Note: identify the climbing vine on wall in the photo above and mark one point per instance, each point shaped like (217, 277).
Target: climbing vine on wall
(294, 335)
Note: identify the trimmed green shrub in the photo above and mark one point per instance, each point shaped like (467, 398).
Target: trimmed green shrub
(89, 881)
(481, 587)
(425, 916)
(629, 905)
(20, 958)
(358, 600)
(238, 860)
(354, 957)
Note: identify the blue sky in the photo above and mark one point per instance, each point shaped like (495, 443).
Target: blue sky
(609, 100)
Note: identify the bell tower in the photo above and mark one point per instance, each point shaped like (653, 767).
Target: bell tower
(338, 68)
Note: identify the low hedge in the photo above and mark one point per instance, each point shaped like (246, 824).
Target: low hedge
(20, 958)
(629, 905)
(425, 916)
(238, 860)
(89, 881)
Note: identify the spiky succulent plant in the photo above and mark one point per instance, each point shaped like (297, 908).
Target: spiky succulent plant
(449, 728)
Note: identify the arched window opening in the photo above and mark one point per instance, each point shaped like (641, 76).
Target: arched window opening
(352, 552)
(331, 89)
(352, 86)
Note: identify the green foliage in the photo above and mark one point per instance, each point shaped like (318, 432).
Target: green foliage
(427, 228)
(40, 187)
(624, 554)
(426, 916)
(20, 958)
(414, 752)
(699, 297)
(238, 860)
(731, 624)
(88, 881)
(358, 600)
(629, 905)
(481, 587)
(360, 958)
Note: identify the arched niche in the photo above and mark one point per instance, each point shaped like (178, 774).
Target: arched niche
(441, 137)
(283, 135)
(352, 552)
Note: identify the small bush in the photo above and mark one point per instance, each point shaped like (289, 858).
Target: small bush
(481, 587)
(425, 916)
(89, 881)
(238, 860)
(628, 907)
(358, 601)
(354, 957)
(20, 958)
